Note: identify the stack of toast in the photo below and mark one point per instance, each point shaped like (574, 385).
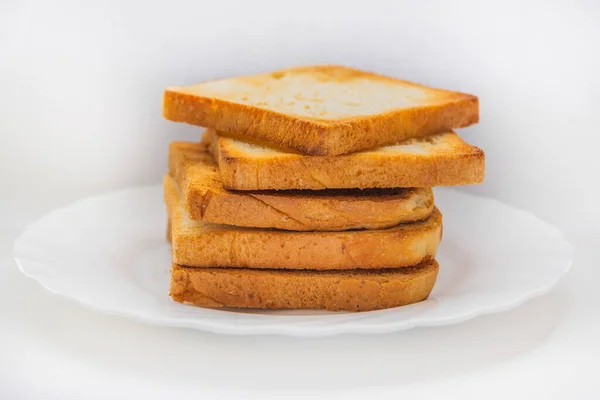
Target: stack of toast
(311, 188)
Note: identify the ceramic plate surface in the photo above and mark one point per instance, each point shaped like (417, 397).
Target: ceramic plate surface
(110, 253)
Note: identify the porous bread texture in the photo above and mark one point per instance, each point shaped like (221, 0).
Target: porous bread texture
(201, 244)
(355, 290)
(205, 199)
(321, 110)
(438, 160)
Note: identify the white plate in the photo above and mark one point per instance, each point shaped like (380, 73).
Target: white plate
(110, 253)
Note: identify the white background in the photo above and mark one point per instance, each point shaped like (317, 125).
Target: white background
(80, 101)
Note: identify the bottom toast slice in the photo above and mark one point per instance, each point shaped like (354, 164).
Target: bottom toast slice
(352, 290)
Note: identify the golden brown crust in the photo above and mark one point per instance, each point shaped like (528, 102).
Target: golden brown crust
(205, 199)
(200, 244)
(449, 161)
(445, 110)
(358, 290)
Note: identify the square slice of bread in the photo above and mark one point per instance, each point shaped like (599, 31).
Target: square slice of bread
(202, 244)
(321, 110)
(438, 160)
(207, 200)
(355, 290)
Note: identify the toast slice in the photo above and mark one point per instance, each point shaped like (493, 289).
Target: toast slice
(202, 244)
(321, 110)
(438, 160)
(355, 290)
(205, 199)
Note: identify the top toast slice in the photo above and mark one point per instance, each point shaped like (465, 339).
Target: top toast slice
(321, 110)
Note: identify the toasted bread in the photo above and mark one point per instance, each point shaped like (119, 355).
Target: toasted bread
(355, 290)
(205, 199)
(438, 160)
(321, 110)
(202, 244)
